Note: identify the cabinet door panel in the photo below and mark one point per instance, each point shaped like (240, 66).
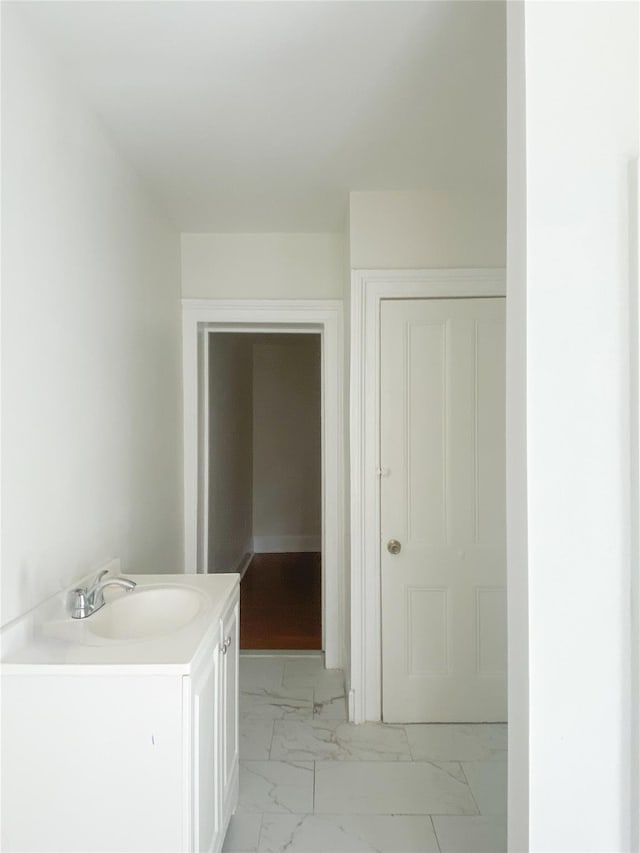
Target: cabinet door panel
(229, 698)
(206, 764)
(91, 762)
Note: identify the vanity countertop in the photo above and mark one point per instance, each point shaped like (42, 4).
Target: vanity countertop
(47, 641)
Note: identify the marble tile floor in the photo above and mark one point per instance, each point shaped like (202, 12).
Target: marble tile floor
(312, 783)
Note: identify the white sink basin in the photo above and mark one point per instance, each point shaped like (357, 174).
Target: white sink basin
(147, 612)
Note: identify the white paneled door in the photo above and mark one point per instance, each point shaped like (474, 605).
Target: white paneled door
(442, 469)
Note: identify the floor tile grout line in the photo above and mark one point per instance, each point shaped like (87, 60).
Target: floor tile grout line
(469, 787)
(413, 758)
(313, 804)
(435, 834)
(395, 814)
(273, 728)
(259, 844)
(406, 735)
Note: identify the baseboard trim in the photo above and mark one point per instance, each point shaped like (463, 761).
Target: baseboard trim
(286, 544)
(243, 565)
(282, 653)
(351, 706)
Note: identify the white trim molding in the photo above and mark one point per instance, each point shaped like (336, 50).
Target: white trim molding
(368, 289)
(324, 317)
(244, 563)
(634, 345)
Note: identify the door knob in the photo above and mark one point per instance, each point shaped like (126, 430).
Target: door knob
(393, 546)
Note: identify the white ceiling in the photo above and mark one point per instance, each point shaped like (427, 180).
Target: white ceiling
(261, 116)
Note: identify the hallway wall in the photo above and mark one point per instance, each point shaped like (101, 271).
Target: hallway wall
(263, 266)
(264, 446)
(287, 512)
(230, 451)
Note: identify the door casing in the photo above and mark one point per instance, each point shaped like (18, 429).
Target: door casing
(368, 288)
(200, 317)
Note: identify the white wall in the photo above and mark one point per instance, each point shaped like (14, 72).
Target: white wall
(517, 586)
(287, 488)
(230, 451)
(263, 266)
(581, 62)
(346, 400)
(91, 441)
(426, 230)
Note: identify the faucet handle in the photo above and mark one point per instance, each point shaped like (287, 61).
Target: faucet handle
(78, 603)
(100, 575)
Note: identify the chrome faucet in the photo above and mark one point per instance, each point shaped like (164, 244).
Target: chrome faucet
(86, 600)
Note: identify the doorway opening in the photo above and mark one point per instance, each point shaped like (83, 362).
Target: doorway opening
(274, 325)
(264, 484)
(281, 606)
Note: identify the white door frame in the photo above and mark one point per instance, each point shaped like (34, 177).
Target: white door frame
(368, 289)
(199, 318)
(634, 345)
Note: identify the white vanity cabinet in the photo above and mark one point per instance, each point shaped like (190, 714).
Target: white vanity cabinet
(211, 694)
(104, 754)
(202, 697)
(229, 763)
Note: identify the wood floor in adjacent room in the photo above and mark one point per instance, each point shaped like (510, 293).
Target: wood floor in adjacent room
(281, 602)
